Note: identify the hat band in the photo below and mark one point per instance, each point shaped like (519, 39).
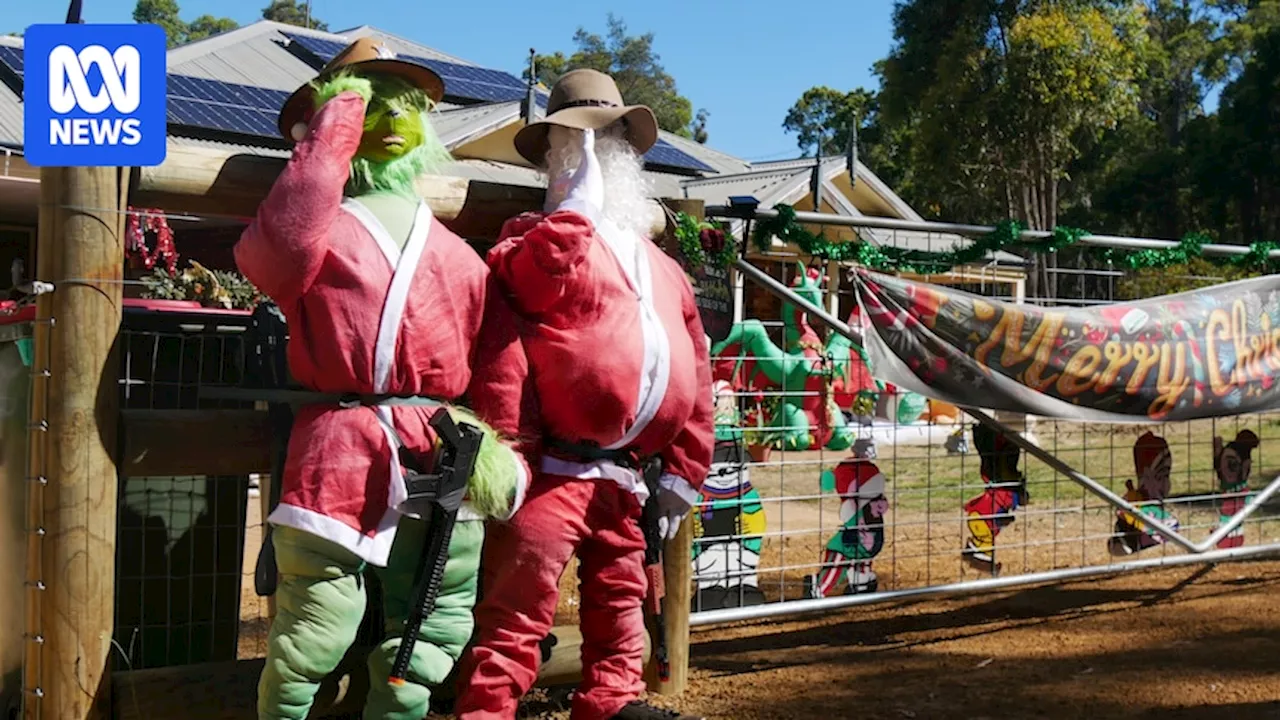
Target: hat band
(587, 103)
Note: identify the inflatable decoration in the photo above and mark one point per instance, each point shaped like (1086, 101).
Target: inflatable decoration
(808, 416)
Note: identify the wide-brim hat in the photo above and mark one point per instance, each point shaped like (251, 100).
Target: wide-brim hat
(587, 100)
(367, 55)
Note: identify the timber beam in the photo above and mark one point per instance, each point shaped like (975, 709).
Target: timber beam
(216, 182)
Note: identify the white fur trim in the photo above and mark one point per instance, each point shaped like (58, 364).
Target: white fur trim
(679, 486)
(626, 478)
(522, 485)
(404, 266)
(655, 368)
(374, 550)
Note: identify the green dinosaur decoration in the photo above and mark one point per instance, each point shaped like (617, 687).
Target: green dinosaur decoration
(807, 416)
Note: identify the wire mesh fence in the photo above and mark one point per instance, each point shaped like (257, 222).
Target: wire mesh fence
(180, 540)
(899, 502)
(851, 486)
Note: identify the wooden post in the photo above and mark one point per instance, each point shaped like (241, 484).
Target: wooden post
(677, 554)
(81, 252)
(678, 571)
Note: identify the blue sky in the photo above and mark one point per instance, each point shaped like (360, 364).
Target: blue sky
(745, 62)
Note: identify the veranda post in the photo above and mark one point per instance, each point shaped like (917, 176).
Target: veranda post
(73, 481)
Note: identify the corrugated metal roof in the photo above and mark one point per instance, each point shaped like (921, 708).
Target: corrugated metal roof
(10, 104)
(721, 162)
(458, 125)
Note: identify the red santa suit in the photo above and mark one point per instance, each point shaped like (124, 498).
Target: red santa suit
(367, 317)
(618, 357)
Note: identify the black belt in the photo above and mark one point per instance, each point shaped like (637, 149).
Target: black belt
(649, 466)
(590, 451)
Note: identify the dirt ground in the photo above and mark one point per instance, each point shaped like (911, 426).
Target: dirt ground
(1195, 642)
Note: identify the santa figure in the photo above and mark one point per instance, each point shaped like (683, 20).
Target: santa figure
(1152, 462)
(1006, 491)
(386, 309)
(619, 359)
(1233, 463)
(861, 486)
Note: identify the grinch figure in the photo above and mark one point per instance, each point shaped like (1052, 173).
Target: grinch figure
(392, 313)
(1233, 463)
(1006, 491)
(1152, 462)
(861, 486)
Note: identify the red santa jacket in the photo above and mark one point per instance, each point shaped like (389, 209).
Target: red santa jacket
(366, 317)
(616, 360)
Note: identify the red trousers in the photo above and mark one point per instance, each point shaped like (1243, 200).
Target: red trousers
(523, 562)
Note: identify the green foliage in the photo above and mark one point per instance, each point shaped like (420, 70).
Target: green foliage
(637, 69)
(211, 288)
(208, 26)
(1194, 274)
(165, 13)
(292, 12)
(823, 117)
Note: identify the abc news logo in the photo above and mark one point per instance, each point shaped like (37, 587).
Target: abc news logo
(94, 95)
(69, 91)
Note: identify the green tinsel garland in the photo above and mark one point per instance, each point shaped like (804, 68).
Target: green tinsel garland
(1006, 235)
(690, 234)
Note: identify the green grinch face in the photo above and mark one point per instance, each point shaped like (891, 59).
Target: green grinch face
(393, 121)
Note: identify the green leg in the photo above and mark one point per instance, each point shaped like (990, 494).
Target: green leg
(319, 604)
(797, 434)
(444, 633)
(842, 434)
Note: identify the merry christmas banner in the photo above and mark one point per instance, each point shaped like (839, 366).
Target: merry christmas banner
(1205, 353)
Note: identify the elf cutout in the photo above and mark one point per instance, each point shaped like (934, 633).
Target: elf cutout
(849, 552)
(1152, 463)
(730, 517)
(992, 511)
(620, 362)
(1233, 463)
(381, 300)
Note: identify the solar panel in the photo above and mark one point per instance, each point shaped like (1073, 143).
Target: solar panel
(12, 58)
(228, 107)
(466, 82)
(664, 153)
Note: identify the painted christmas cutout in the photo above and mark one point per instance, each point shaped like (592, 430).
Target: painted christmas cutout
(1233, 463)
(1152, 464)
(850, 551)
(1006, 491)
(730, 517)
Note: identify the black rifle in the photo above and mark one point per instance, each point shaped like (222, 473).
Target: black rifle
(269, 369)
(649, 517)
(434, 497)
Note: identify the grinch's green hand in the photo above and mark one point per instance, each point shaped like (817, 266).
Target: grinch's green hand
(494, 483)
(335, 86)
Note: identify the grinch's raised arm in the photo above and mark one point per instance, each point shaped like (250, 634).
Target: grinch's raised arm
(282, 249)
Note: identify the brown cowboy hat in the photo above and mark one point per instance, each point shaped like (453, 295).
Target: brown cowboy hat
(367, 55)
(587, 100)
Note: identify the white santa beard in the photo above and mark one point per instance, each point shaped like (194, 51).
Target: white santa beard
(626, 189)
